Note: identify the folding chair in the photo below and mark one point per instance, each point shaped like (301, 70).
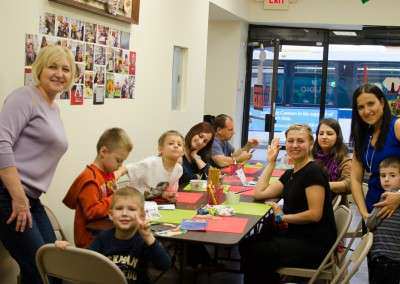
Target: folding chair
(77, 265)
(355, 260)
(336, 201)
(327, 269)
(55, 224)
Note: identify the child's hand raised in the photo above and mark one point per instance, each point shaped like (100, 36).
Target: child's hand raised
(144, 230)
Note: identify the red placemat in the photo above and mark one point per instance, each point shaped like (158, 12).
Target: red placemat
(188, 197)
(226, 224)
(249, 189)
(277, 172)
(236, 179)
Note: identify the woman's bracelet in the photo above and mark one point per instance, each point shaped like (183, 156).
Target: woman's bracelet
(278, 217)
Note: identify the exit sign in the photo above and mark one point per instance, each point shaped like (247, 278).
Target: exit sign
(276, 4)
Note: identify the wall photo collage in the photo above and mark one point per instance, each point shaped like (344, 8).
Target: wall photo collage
(106, 68)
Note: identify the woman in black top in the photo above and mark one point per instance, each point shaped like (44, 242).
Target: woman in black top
(307, 212)
(196, 161)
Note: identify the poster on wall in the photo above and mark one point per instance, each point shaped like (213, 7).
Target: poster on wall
(105, 67)
(258, 97)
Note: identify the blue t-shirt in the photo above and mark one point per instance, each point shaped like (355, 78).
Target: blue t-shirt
(220, 147)
(371, 158)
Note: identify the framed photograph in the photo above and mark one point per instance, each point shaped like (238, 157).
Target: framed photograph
(122, 10)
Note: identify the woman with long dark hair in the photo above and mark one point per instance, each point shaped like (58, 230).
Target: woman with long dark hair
(331, 153)
(196, 161)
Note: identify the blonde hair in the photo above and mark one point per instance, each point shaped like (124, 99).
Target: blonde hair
(114, 138)
(164, 136)
(301, 127)
(53, 54)
(127, 192)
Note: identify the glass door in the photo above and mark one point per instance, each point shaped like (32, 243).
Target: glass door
(285, 89)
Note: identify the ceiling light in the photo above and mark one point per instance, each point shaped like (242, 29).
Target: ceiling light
(345, 33)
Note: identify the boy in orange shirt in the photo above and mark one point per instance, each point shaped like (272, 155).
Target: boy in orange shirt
(90, 194)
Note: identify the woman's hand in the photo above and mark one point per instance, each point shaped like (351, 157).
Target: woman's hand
(169, 195)
(62, 244)
(144, 230)
(21, 213)
(275, 207)
(390, 203)
(194, 155)
(273, 150)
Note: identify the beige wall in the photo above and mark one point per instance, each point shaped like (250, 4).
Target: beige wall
(163, 24)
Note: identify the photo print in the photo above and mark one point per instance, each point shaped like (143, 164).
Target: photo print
(77, 29)
(62, 26)
(99, 54)
(63, 42)
(132, 63)
(76, 95)
(89, 56)
(109, 59)
(102, 34)
(110, 85)
(125, 37)
(77, 48)
(28, 78)
(64, 95)
(118, 82)
(98, 95)
(114, 38)
(31, 48)
(46, 40)
(118, 60)
(125, 61)
(99, 75)
(131, 87)
(88, 88)
(90, 32)
(47, 24)
(80, 71)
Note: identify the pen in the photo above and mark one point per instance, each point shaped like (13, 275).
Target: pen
(243, 190)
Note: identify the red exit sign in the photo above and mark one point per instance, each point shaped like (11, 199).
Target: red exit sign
(276, 4)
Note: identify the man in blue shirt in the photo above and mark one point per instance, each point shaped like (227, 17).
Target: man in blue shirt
(223, 153)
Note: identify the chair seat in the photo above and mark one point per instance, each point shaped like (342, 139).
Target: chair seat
(304, 272)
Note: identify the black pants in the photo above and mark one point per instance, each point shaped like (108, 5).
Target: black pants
(262, 254)
(383, 270)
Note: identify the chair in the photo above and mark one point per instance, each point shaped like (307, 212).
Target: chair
(55, 224)
(77, 265)
(327, 268)
(355, 260)
(336, 201)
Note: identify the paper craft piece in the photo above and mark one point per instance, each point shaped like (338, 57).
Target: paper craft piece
(277, 172)
(241, 175)
(226, 224)
(251, 171)
(251, 208)
(175, 216)
(151, 210)
(229, 179)
(188, 197)
(166, 206)
(194, 225)
(247, 190)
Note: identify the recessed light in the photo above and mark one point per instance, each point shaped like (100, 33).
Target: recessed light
(345, 33)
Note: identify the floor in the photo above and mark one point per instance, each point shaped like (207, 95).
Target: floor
(192, 276)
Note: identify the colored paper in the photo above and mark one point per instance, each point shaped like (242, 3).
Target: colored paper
(175, 216)
(229, 179)
(189, 188)
(188, 197)
(226, 224)
(251, 208)
(277, 172)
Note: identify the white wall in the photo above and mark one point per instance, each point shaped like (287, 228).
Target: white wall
(163, 24)
(226, 57)
(337, 12)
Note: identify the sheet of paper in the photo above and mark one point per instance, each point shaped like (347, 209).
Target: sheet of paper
(188, 197)
(226, 224)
